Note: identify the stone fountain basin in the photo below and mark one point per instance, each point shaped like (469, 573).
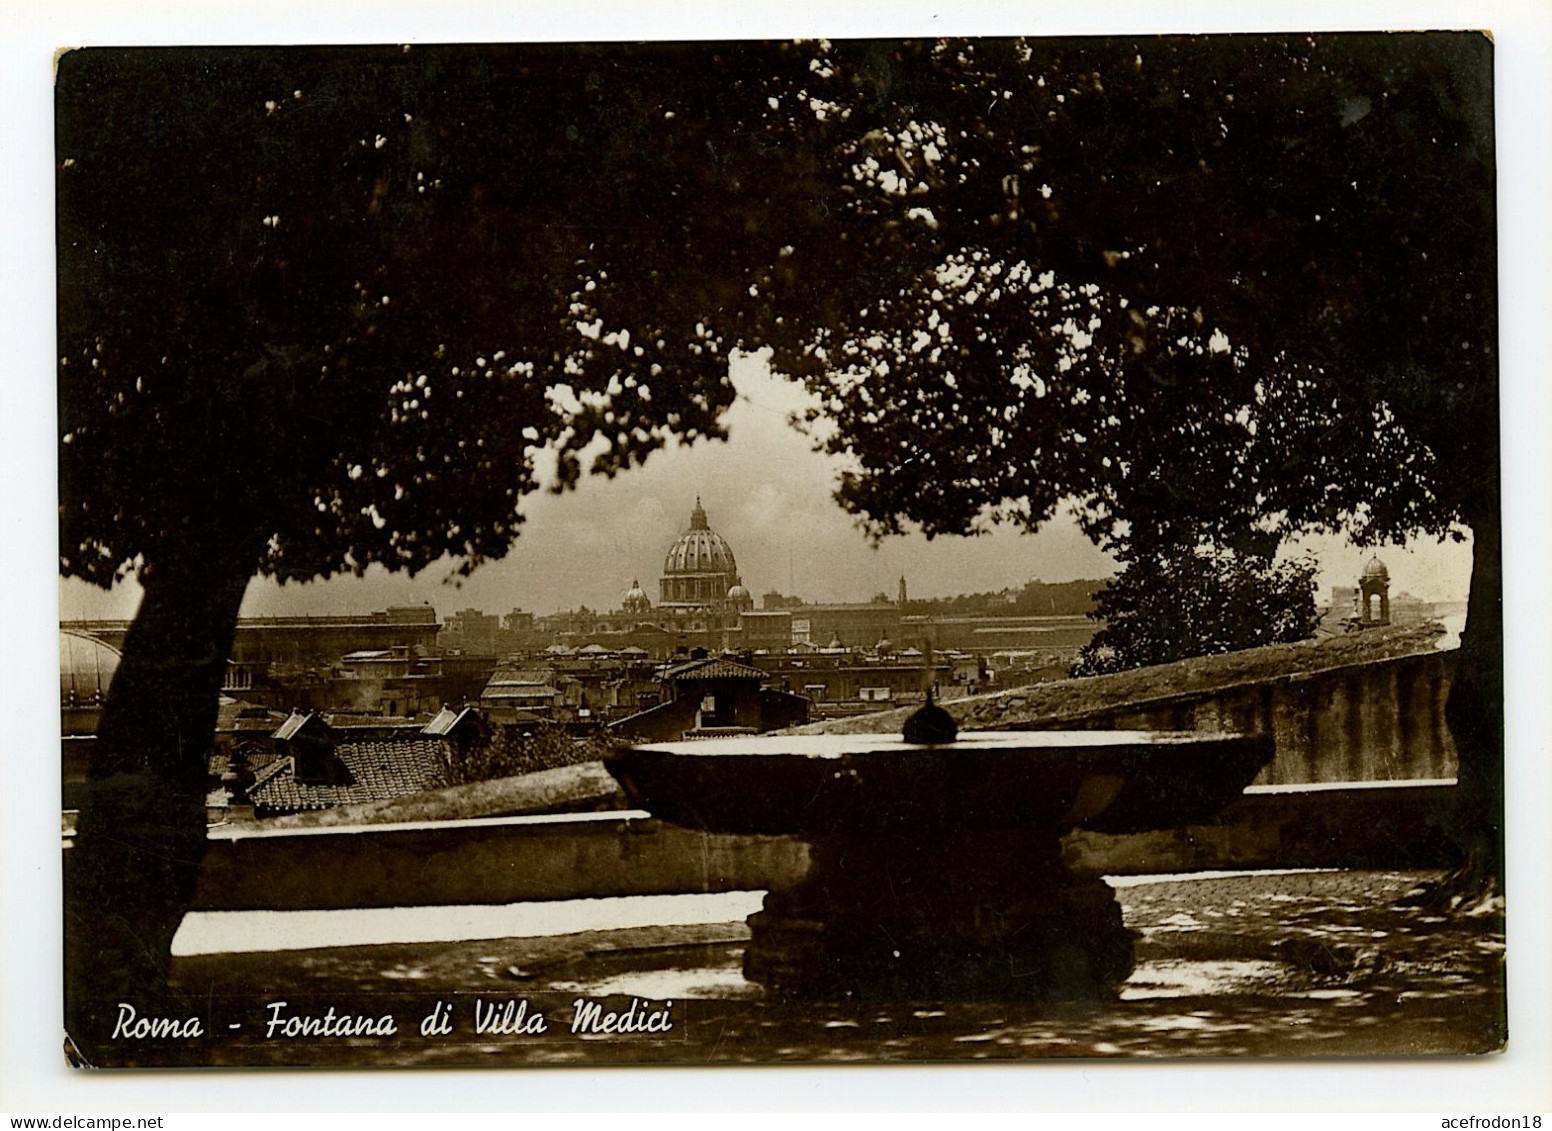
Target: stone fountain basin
(1048, 781)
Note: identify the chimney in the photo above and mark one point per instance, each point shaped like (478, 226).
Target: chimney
(309, 742)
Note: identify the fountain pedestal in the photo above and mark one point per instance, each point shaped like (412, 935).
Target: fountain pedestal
(935, 870)
(964, 915)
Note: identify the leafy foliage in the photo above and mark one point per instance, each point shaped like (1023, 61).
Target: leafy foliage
(334, 307)
(1233, 286)
(514, 750)
(1182, 599)
(1244, 280)
(1034, 599)
(337, 306)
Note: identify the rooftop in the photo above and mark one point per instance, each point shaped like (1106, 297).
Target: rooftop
(712, 667)
(377, 771)
(1065, 698)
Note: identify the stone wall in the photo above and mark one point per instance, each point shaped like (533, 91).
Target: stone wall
(1377, 721)
(302, 864)
(1362, 706)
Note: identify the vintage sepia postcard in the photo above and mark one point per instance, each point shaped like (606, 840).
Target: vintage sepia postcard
(732, 552)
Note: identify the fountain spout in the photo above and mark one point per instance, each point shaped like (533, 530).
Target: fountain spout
(930, 725)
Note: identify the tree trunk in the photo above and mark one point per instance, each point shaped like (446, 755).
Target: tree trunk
(1475, 710)
(1475, 714)
(140, 839)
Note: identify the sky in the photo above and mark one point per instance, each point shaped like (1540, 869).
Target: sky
(769, 494)
(765, 490)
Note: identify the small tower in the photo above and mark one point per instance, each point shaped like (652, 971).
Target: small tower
(901, 602)
(1375, 582)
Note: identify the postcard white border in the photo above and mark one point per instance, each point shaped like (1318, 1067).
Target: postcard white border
(32, 1070)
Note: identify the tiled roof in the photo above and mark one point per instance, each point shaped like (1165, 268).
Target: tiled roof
(343, 722)
(262, 774)
(257, 724)
(710, 668)
(518, 691)
(522, 675)
(261, 759)
(521, 683)
(234, 715)
(381, 770)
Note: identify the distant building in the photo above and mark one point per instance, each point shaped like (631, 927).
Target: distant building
(844, 682)
(713, 697)
(470, 631)
(699, 571)
(1370, 604)
(700, 600)
(1374, 595)
(317, 767)
(518, 695)
(846, 625)
(1054, 637)
(767, 630)
(260, 643)
(464, 727)
(636, 602)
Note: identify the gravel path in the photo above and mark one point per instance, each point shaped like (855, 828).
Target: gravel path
(1268, 965)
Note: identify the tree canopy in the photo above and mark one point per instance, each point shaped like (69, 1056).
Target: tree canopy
(1247, 281)
(1176, 600)
(322, 308)
(349, 296)
(1208, 290)
(330, 305)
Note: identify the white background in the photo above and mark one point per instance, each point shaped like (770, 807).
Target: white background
(32, 1073)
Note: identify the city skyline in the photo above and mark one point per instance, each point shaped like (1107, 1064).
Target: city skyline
(768, 493)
